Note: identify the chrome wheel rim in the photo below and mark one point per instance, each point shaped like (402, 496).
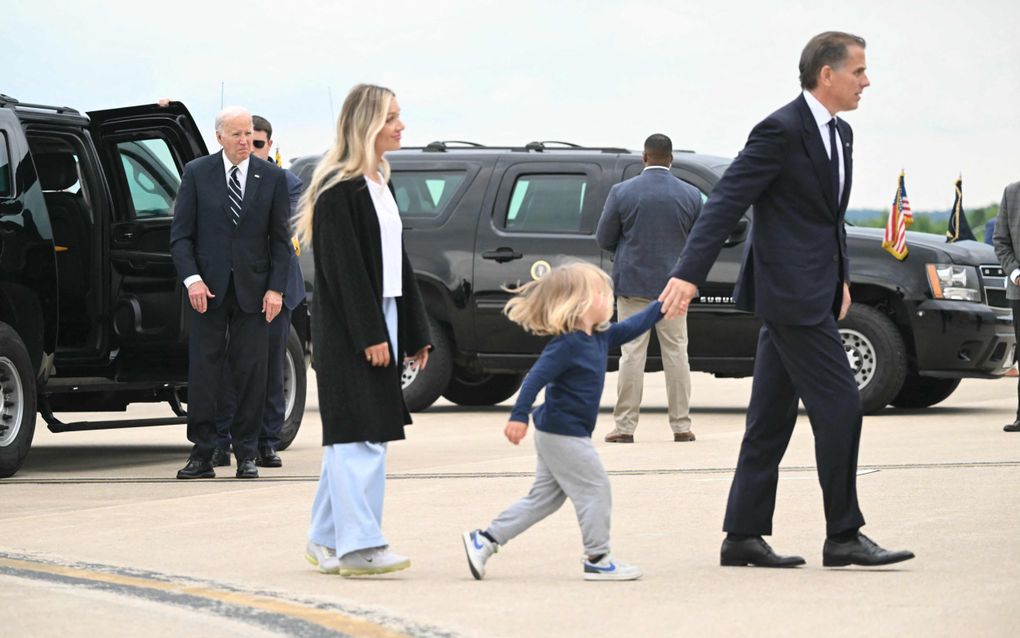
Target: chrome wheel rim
(860, 354)
(289, 376)
(13, 402)
(408, 374)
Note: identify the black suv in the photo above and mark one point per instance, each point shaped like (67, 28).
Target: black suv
(477, 218)
(92, 314)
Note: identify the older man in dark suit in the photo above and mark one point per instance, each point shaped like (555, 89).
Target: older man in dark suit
(231, 247)
(796, 171)
(275, 409)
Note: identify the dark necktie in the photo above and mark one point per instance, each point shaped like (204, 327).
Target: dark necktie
(234, 194)
(834, 159)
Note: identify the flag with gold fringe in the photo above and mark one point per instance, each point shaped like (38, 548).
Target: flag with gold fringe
(900, 218)
(958, 226)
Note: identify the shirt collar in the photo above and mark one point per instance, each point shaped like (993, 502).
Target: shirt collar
(242, 167)
(665, 168)
(819, 112)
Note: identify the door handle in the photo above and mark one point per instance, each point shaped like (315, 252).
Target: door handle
(502, 254)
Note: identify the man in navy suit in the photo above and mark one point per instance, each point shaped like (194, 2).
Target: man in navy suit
(796, 171)
(231, 247)
(294, 293)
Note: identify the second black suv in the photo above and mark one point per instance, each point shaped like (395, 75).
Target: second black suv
(478, 218)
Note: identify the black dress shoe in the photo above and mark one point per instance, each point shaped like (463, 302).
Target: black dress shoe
(268, 458)
(1012, 427)
(221, 458)
(246, 469)
(754, 551)
(196, 469)
(860, 551)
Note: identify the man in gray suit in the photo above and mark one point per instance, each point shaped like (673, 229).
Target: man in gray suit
(1006, 241)
(646, 221)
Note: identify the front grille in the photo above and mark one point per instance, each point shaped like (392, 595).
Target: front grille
(993, 280)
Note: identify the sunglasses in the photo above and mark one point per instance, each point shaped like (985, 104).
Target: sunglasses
(258, 143)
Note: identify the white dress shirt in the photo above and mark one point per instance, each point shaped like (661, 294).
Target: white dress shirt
(242, 177)
(822, 117)
(391, 230)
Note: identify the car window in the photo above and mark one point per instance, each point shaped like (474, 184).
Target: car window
(547, 203)
(5, 167)
(152, 176)
(425, 193)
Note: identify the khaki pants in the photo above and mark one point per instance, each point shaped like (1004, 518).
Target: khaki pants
(673, 342)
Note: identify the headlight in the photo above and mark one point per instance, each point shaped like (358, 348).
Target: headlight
(949, 281)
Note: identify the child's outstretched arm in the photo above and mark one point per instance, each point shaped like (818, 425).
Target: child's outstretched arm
(551, 364)
(624, 331)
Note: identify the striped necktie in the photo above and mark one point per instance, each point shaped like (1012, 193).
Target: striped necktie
(234, 194)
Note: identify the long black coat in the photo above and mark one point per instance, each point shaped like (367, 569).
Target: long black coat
(358, 402)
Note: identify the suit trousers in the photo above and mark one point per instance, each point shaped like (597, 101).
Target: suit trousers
(672, 335)
(1015, 305)
(274, 411)
(809, 363)
(209, 350)
(568, 467)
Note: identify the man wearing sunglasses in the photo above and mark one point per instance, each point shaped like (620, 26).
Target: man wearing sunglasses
(294, 293)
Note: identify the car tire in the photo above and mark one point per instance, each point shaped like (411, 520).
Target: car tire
(877, 356)
(295, 388)
(923, 392)
(475, 389)
(18, 405)
(423, 387)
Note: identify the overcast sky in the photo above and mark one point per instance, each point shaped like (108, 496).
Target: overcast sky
(945, 97)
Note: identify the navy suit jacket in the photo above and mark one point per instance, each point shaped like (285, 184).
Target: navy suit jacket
(796, 261)
(205, 242)
(294, 292)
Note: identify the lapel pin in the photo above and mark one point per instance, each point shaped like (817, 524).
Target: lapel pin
(257, 176)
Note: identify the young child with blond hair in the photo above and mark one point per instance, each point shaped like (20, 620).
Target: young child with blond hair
(573, 304)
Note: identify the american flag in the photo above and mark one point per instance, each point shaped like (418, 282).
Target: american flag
(900, 218)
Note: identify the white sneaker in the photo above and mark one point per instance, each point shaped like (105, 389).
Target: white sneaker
(609, 569)
(478, 549)
(376, 560)
(322, 557)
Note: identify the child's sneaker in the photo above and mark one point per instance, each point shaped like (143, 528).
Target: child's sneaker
(322, 557)
(609, 569)
(478, 549)
(368, 562)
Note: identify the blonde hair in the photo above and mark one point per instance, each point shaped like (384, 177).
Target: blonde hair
(362, 116)
(554, 304)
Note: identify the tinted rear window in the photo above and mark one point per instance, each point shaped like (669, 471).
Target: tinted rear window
(425, 193)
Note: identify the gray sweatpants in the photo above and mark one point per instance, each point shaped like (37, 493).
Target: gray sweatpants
(568, 467)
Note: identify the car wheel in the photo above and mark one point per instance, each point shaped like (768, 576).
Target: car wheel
(17, 410)
(877, 356)
(921, 392)
(295, 385)
(423, 387)
(469, 388)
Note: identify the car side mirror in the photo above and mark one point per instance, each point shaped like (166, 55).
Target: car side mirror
(11, 208)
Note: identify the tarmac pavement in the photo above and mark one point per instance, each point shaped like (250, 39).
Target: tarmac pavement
(97, 537)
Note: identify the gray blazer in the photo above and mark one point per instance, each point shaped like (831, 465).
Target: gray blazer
(1006, 239)
(646, 221)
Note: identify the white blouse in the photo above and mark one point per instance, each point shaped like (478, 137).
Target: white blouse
(390, 233)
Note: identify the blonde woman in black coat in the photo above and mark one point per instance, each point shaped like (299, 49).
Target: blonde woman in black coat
(367, 317)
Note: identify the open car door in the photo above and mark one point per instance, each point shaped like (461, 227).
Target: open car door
(143, 150)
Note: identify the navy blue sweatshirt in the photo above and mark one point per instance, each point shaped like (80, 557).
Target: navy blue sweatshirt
(572, 369)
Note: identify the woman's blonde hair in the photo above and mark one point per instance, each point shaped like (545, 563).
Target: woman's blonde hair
(362, 116)
(554, 304)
